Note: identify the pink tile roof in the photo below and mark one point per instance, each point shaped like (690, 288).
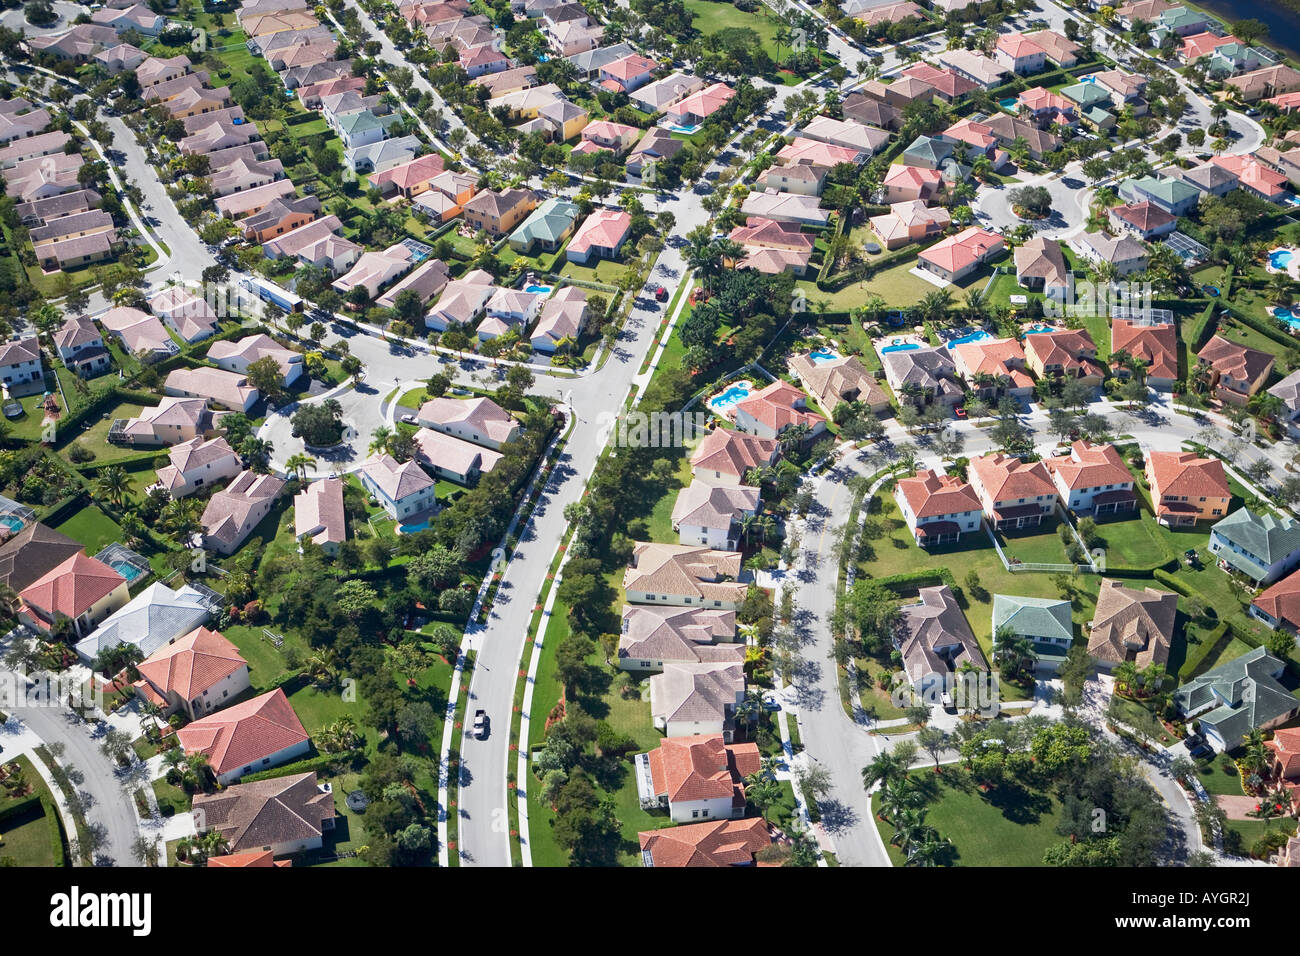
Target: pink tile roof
(630, 66)
(704, 103)
(245, 733)
(957, 252)
(604, 228)
(73, 587)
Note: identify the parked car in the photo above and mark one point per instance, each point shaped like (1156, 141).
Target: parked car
(408, 419)
(661, 294)
(481, 724)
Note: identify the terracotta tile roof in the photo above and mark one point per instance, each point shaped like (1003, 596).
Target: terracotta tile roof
(255, 816)
(33, 552)
(1157, 345)
(192, 664)
(715, 843)
(1282, 601)
(929, 493)
(1132, 625)
(713, 506)
(703, 768)
(1144, 216)
(954, 253)
(1286, 750)
(733, 453)
(840, 379)
(245, 733)
(604, 229)
(409, 175)
(1184, 474)
(1089, 466)
(73, 587)
(253, 858)
(1005, 478)
(1041, 258)
(914, 177)
(775, 407)
(998, 357)
(945, 81)
(1071, 349)
(1240, 362)
(1017, 45)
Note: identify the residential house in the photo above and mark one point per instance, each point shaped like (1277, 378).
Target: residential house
(587, 62)
(923, 375)
(1185, 488)
(1277, 606)
(236, 355)
(1231, 700)
(375, 271)
(1006, 130)
(1045, 107)
(1155, 344)
(1288, 390)
(954, 258)
(1070, 353)
(136, 17)
(1127, 254)
(1059, 50)
(81, 348)
(409, 179)
(840, 379)
(258, 734)
(687, 700)
(627, 73)
(480, 60)
(726, 457)
(1235, 371)
(655, 145)
(803, 179)
(601, 236)
(694, 109)
(716, 843)
(153, 619)
(243, 174)
(197, 464)
(228, 389)
(1261, 546)
(319, 516)
(403, 490)
(479, 420)
(615, 137)
(172, 420)
(1255, 177)
(1174, 196)
(696, 777)
(453, 458)
(288, 814)
(563, 320)
(427, 280)
(377, 157)
(194, 675)
(76, 45)
(248, 202)
(936, 642)
(31, 147)
(233, 512)
(864, 109)
(684, 575)
(139, 333)
(992, 368)
(157, 70)
(785, 207)
(1144, 220)
(768, 413)
(846, 134)
(1264, 83)
(185, 313)
(713, 515)
(81, 589)
(974, 66)
(1019, 53)
(447, 194)
(463, 300)
(31, 552)
(772, 246)
(509, 309)
(944, 84)
(652, 637)
(661, 94)
(904, 183)
(498, 213)
(123, 58)
(1044, 622)
(885, 13)
(546, 227)
(1092, 480)
(937, 508)
(1132, 625)
(21, 367)
(1041, 267)
(75, 251)
(1014, 493)
(319, 244)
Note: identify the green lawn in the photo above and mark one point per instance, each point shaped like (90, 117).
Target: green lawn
(606, 271)
(1134, 542)
(92, 528)
(26, 839)
(710, 17)
(1218, 780)
(94, 436)
(1008, 826)
(171, 800)
(1041, 545)
(265, 662)
(1253, 830)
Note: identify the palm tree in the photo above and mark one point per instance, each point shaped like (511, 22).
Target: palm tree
(1125, 675)
(792, 437)
(382, 440)
(910, 829)
(934, 305)
(929, 851)
(181, 517)
(113, 484)
(299, 463)
(976, 304)
(883, 769)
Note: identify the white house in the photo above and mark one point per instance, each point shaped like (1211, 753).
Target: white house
(403, 489)
(21, 368)
(236, 356)
(696, 777)
(196, 464)
(711, 514)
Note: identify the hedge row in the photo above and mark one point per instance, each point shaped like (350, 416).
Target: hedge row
(1195, 657)
(867, 270)
(1268, 330)
(1201, 330)
(925, 578)
(308, 765)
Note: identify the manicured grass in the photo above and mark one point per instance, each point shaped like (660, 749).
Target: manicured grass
(1216, 780)
(710, 17)
(1253, 830)
(95, 438)
(265, 662)
(1041, 545)
(1134, 542)
(897, 552)
(1008, 826)
(660, 522)
(92, 528)
(171, 800)
(26, 839)
(602, 270)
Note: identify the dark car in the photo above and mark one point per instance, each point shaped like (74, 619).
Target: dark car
(661, 294)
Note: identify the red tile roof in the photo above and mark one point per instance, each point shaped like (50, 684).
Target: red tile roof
(1004, 477)
(1282, 601)
(192, 664)
(1089, 466)
(73, 587)
(702, 768)
(929, 493)
(1157, 345)
(1184, 474)
(245, 733)
(715, 843)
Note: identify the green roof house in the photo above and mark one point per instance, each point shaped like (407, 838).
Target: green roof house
(1260, 546)
(1237, 697)
(1044, 621)
(363, 128)
(929, 152)
(1182, 21)
(1097, 118)
(1174, 196)
(547, 226)
(1087, 94)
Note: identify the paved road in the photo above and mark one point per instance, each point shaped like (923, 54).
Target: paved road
(109, 804)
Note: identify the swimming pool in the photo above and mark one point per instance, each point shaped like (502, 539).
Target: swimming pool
(539, 289)
(1287, 316)
(732, 395)
(1291, 199)
(12, 522)
(1009, 103)
(977, 336)
(1280, 258)
(823, 354)
(1037, 329)
(685, 130)
(904, 347)
(127, 570)
(413, 528)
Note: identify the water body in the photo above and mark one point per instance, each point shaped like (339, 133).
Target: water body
(1283, 22)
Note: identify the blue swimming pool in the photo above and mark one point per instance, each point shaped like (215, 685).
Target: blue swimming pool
(731, 396)
(1280, 258)
(978, 336)
(1037, 329)
(1009, 103)
(539, 289)
(127, 570)
(12, 522)
(413, 528)
(903, 347)
(685, 130)
(823, 354)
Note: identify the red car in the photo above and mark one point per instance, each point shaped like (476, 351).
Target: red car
(661, 293)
